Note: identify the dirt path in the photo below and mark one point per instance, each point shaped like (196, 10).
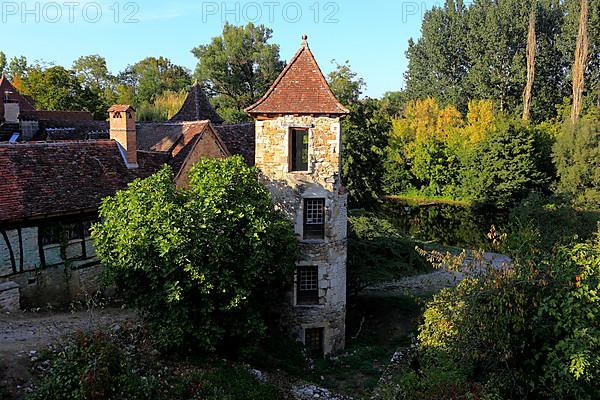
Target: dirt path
(26, 331)
(427, 284)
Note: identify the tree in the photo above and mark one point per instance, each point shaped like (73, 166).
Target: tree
(579, 66)
(345, 84)
(504, 167)
(93, 72)
(17, 67)
(56, 88)
(2, 62)
(531, 45)
(237, 68)
(577, 158)
(152, 77)
(203, 265)
(365, 138)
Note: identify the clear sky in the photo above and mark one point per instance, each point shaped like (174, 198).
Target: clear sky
(371, 34)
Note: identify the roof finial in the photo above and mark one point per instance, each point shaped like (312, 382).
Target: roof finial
(305, 40)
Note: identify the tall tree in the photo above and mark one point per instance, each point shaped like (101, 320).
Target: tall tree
(238, 67)
(2, 62)
(579, 66)
(17, 67)
(92, 71)
(56, 88)
(152, 77)
(531, 45)
(345, 83)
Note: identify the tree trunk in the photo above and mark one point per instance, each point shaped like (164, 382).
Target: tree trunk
(579, 66)
(531, 45)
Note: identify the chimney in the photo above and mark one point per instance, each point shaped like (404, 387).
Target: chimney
(122, 130)
(12, 108)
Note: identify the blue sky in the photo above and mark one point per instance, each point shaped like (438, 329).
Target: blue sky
(372, 34)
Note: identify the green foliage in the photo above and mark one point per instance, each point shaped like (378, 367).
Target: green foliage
(151, 77)
(202, 264)
(541, 315)
(577, 157)
(56, 88)
(92, 366)
(98, 366)
(237, 68)
(504, 167)
(477, 51)
(436, 167)
(345, 83)
(224, 383)
(377, 253)
(163, 108)
(364, 141)
(2, 62)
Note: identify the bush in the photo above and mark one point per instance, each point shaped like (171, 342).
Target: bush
(92, 366)
(577, 157)
(377, 253)
(531, 330)
(504, 167)
(202, 264)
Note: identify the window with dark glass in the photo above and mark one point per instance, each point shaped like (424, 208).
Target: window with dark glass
(314, 218)
(307, 284)
(313, 340)
(299, 150)
(52, 234)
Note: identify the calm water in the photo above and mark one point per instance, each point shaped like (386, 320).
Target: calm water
(451, 225)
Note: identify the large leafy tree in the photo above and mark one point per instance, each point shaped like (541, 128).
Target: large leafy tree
(202, 264)
(17, 68)
(56, 88)
(151, 77)
(237, 68)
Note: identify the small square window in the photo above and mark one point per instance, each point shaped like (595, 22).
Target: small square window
(299, 150)
(313, 340)
(314, 218)
(307, 284)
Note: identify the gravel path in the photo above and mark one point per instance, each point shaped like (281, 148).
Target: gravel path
(427, 284)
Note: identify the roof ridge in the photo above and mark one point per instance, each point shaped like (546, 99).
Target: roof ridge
(340, 109)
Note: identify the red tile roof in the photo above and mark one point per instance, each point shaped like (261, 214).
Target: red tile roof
(48, 178)
(301, 88)
(120, 108)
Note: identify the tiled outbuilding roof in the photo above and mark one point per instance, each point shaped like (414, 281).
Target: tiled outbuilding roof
(63, 116)
(239, 139)
(301, 88)
(47, 178)
(197, 108)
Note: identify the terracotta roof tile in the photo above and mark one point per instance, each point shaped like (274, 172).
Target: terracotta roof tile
(46, 178)
(301, 88)
(55, 116)
(239, 139)
(120, 108)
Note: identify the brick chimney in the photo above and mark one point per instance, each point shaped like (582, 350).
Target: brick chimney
(122, 130)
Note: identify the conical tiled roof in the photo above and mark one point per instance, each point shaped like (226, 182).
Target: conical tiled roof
(300, 89)
(197, 108)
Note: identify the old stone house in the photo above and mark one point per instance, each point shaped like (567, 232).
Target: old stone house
(50, 191)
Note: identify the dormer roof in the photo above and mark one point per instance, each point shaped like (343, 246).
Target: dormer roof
(301, 88)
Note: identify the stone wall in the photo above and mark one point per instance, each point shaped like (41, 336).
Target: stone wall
(288, 189)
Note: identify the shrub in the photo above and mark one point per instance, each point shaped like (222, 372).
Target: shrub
(377, 253)
(202, 264)
(504, 167)
(93, 366)
(577, 158)
(532, 330)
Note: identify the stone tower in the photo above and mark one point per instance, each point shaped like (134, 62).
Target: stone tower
(298, 150)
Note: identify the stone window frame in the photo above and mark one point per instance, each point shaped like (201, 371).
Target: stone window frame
(321, 274)
(309, 131)
(309, 299)
(319, 239)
